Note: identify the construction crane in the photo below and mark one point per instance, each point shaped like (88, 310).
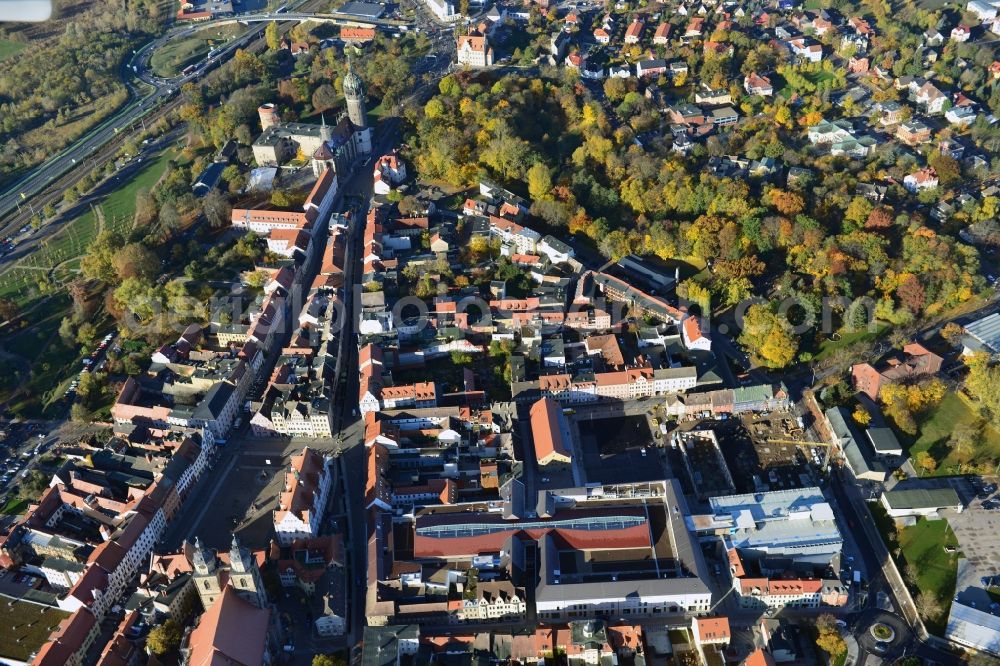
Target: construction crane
(796, 442)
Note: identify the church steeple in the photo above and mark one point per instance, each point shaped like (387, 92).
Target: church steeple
(325, 131)
(203, 562)
(354, 93)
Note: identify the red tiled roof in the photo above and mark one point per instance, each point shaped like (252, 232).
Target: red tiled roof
(546, 431)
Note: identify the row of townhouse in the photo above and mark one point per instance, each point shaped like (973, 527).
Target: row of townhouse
(220, 396)
(103, 580)
(628, 384)
(297, 400)
(744, 399)
(304, 497)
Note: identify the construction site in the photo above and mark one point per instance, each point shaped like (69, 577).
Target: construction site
(770, 452)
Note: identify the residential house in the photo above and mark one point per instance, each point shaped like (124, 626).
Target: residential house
(302, 502)
(705, 94)
(806, 48)
(474, 51)
(634, 32)
(647, 68)
(662, 34)
(924, 179)
(930, 98)
(915, 362)
(961, 33)
(755, 84)
(913, 132)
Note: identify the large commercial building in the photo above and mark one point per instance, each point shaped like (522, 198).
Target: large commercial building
(603, 562)
(795, 524)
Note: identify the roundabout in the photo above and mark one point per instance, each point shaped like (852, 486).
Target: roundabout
(883, 634)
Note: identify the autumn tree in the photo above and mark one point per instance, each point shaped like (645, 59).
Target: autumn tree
(539, 181)
(879, 218)
(136, 260)
(858, 211)
(861, 415)
(166, 637)
(903, 402)
(768, 337)
(328, 660)
(927, 605)
(828, 636)
(947, 168)
(983, 383)
(964, 440)
(145, 208)
(216, 208)
(925, 462)
(324, 97)
(272, 36)
(952, 333)
(787, 203)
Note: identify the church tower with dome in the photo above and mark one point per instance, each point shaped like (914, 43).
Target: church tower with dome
(354, 92)
(340, 147)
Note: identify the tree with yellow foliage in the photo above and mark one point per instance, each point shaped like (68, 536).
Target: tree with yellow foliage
(768, 337)
(861, 416)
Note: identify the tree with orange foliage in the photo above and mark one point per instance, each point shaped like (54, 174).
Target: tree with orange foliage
(879, 218)
(786, 203)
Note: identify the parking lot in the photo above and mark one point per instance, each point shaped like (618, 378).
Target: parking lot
(977, 528)
(619, 450)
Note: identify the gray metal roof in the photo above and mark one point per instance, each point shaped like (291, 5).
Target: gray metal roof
(986, 331)
(365, 9)
(974, 627)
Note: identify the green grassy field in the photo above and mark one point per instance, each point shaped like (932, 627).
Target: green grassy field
(118, 208)
(169, 60)
(9, 48)
(20, 285)
(923, 547)
(14, 506)
(24, 628)
(937, 426)
(828, 346)
(53, 364)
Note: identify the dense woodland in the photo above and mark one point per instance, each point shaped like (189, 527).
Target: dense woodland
(551, 139)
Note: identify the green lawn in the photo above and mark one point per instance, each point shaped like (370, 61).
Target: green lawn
(922, 548)
(53, 364)
(25, 626)
(20, 285)
(14, 506)
(9, 48)
(937, 426)
(828, 346)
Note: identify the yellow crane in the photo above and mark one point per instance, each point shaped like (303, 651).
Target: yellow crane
(796, 442)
